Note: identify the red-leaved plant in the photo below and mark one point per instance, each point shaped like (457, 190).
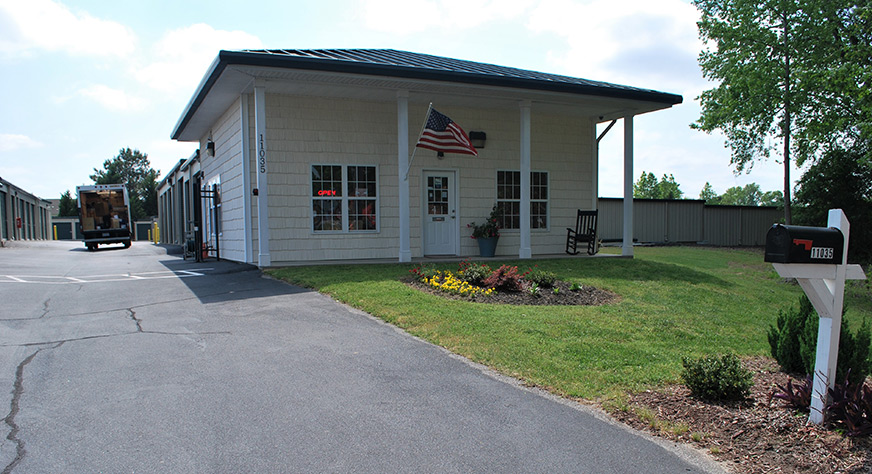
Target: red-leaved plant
(505, 278)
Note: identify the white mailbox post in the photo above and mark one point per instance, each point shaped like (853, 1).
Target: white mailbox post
(824, 284)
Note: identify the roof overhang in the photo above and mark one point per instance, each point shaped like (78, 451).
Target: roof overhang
(236, 72)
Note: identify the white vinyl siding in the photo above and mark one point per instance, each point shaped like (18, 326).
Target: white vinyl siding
(225, 170)
(302, 131)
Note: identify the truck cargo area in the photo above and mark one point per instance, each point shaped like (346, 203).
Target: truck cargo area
(104, 215)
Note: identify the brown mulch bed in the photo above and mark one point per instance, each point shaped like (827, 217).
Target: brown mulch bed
(759, 435)
(585, 296)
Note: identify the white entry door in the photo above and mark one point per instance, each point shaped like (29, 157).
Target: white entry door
(440, 213)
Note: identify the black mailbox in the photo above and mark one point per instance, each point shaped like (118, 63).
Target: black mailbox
(800, 244)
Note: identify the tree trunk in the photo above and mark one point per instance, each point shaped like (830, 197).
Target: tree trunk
(786, 181)
(787, 118)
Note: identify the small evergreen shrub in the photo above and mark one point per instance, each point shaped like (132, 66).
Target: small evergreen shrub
(793, 343)
(717, 378)
(793, 339)
(505, 278)
(853, 364)
(543, 278)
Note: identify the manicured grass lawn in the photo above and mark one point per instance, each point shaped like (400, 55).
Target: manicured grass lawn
(674, 302)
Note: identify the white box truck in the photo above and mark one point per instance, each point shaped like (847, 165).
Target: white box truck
(104, 215)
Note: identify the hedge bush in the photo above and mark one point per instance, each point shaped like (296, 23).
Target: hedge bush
(717, 378)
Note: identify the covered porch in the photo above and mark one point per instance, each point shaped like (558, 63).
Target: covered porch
(531, 119)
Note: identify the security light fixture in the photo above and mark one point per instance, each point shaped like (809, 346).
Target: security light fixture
(477, 139)
(210, 147)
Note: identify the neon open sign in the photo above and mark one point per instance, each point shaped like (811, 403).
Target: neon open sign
(326, 192)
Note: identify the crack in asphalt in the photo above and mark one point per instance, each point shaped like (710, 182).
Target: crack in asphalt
(146, 305)
(18, 389)
(138, 322)
(45, 311)
(103, 336)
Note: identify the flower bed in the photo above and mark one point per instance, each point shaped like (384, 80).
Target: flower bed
(478, 282)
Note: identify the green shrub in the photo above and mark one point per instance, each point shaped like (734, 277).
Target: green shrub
(543, 278)
(793, 343)
(793, 339)
(853, 364)
(474, 273)
(717, 378)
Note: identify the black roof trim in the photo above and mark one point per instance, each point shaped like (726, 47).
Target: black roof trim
(407, 65)
(209, 80)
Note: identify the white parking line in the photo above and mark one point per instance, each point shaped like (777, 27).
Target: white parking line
(191, 273)
(62, 280)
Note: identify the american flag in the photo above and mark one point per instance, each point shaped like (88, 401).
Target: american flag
(442, 134)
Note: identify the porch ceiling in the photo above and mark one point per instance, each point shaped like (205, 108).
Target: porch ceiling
(226, 80)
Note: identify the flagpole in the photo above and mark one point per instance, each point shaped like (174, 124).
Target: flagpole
(415, 148)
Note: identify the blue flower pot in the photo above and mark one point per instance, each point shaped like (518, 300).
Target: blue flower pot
(487, 246)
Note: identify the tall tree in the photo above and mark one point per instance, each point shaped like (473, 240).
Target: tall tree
(668, 188)
(748, 195)
(840, 179)
(848, 115)
(132, 168)
(772, 198)
(708, 194)
(67, 207)
(771, 59)
(645, 187)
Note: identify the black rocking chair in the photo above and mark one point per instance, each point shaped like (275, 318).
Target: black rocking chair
(585, 231)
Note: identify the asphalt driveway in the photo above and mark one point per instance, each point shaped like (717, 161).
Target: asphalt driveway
(138, 361)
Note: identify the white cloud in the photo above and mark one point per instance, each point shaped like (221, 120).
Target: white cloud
(27, 25)
(652, 43)
(12, 142)
(165, 153)
(182, 56)
(112, 99)
(402, 17)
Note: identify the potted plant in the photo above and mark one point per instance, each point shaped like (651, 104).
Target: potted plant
(488, 233)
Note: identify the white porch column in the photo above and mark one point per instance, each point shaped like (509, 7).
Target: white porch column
(627, 250)
(263, 256)
(525, 251)
(402, 173)
(246, 177)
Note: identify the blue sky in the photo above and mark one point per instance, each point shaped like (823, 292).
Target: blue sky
(82, 79)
